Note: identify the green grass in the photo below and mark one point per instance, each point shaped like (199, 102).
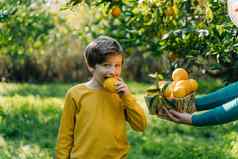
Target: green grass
(29, 120)
(43, 90)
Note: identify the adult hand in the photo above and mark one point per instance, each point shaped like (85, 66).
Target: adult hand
(178, 117)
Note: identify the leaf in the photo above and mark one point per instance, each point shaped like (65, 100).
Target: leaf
(160, 76)
(209, 14)
(74, 2)
(203, 3)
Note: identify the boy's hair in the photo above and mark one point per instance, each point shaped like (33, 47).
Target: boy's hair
(97, 51)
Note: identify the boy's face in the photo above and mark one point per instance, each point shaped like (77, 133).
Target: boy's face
(110, 68)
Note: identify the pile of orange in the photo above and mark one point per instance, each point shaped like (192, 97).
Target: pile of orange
(181, 85)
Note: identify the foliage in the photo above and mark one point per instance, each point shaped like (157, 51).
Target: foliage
(37, 45)
(195, 34)
(24, 27)
(186, 28)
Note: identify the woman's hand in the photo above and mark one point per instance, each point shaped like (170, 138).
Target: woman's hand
(178, 117)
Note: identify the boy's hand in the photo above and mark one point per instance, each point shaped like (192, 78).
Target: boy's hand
(122, 88)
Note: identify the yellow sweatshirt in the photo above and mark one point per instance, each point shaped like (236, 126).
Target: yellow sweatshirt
(93, 124)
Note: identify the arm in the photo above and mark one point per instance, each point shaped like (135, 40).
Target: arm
(222, 114)
(65, 134)
(217, 98)
(135, 115)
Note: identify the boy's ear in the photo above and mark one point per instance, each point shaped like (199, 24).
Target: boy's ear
(91, 69)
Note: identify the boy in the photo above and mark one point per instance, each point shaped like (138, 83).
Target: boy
(93, 123)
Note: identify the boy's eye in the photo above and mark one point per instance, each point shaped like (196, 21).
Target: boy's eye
(106, 65)
(111, 65)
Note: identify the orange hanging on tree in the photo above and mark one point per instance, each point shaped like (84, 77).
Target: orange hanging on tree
(116, 11)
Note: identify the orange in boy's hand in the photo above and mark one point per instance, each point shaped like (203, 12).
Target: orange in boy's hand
(110, 84)
(179, 74)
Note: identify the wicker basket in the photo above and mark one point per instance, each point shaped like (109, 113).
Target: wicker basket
(156, 103)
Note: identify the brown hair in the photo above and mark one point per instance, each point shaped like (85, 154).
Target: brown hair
(97, 51)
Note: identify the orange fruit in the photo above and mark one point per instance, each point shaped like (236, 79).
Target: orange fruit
(179, 92)
(116, 11)
(186, 85)
(168, 92)
(179, 74)
(110, 84)
(194, 84)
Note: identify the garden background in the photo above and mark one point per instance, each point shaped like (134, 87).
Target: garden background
(41, 46)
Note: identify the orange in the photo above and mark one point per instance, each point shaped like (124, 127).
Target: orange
(110, 84)
(186, 85)
(194, 84)
(179, 74)
(168, 92)
(116, 11)
(179, 92)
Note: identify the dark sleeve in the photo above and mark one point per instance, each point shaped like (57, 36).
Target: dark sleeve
(221, 114)
(218, 97)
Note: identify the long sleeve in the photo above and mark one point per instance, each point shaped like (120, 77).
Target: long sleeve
(219, 115)
(65, 135)
(135, 114)
(218, 97)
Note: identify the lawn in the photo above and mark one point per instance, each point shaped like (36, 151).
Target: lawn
(29, 120)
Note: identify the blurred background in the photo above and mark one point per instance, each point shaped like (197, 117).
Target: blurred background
(41, 47)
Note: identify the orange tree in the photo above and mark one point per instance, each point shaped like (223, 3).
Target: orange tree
(25, 26)
(179, 28)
